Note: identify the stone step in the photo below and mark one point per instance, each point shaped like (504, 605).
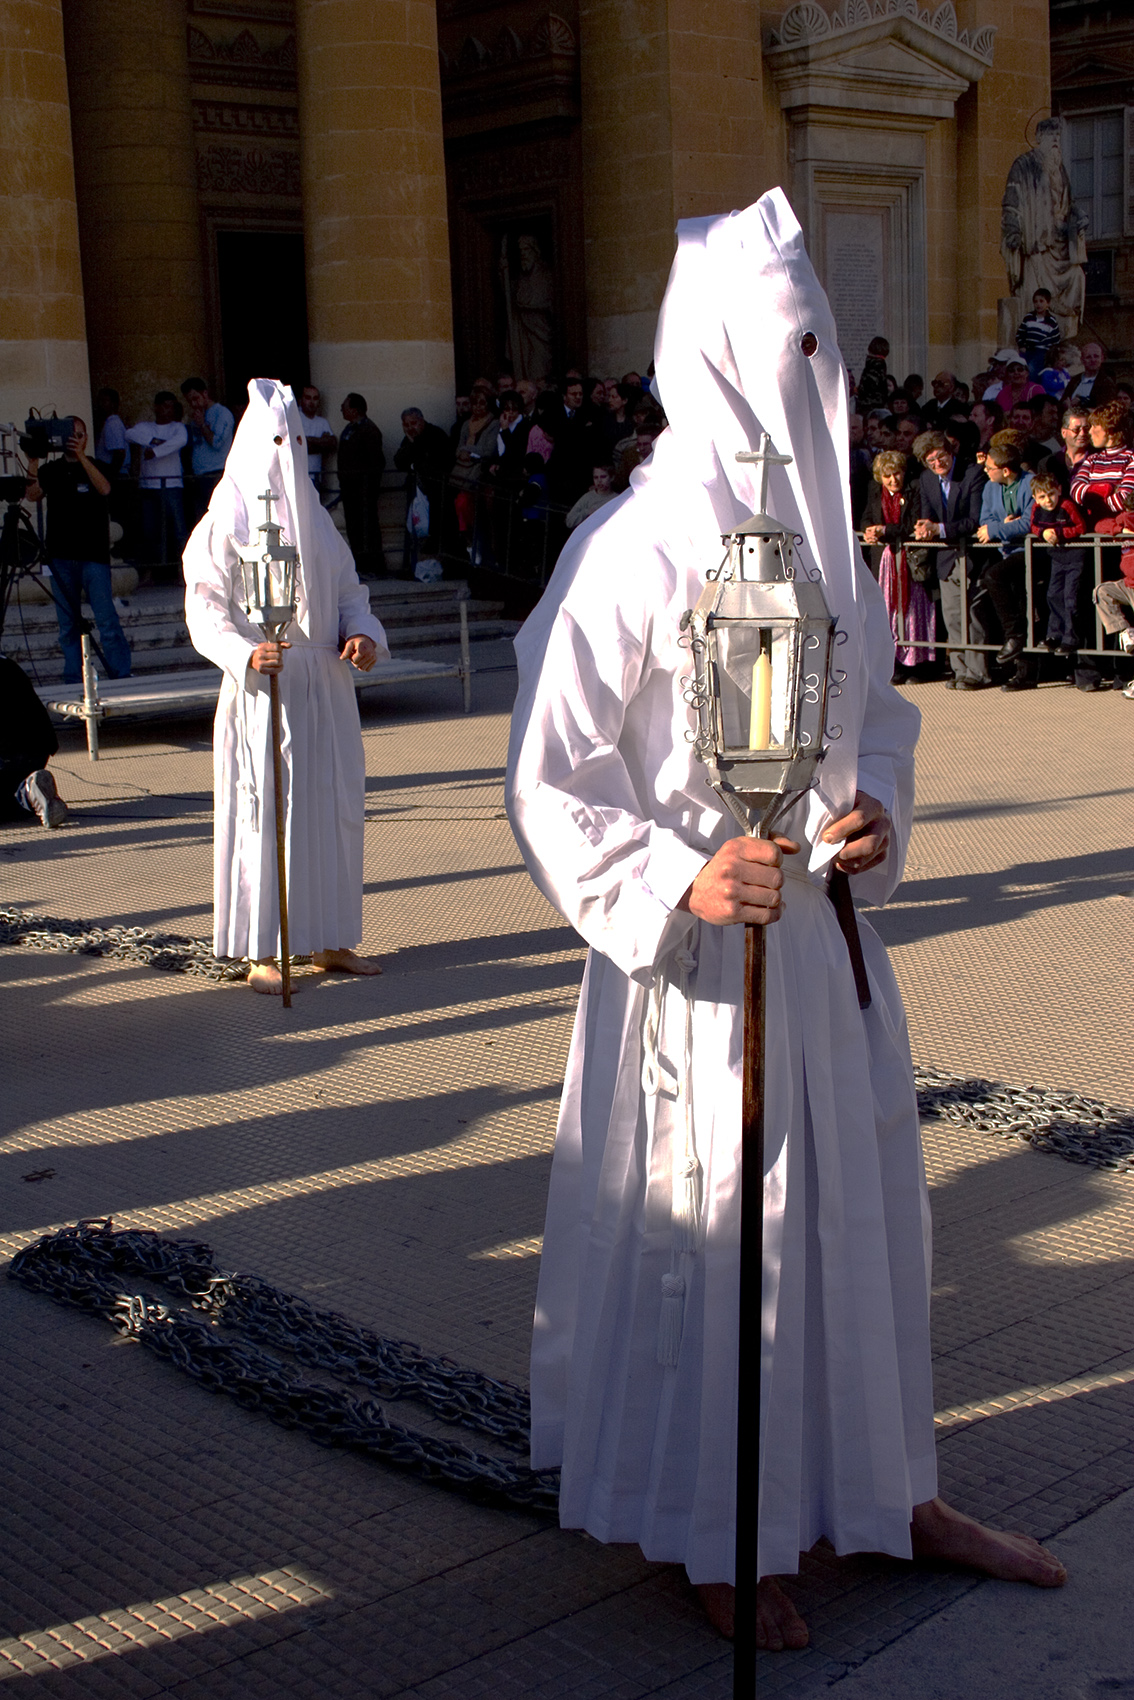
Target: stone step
(48, 668)
(414, 616)
(387, 598)
(145, 627)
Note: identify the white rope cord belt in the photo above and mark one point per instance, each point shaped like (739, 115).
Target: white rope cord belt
(686, 1173)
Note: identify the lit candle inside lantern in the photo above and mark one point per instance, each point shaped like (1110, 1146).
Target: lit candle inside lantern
(760, 722)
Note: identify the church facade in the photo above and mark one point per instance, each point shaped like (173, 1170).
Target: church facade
(394, 196)
(1092, 82)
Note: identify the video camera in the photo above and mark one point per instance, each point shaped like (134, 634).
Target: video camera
(13, 487)
(42, 437)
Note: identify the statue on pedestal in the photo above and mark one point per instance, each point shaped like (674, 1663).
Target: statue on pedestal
(1042, 235)
(529, 304)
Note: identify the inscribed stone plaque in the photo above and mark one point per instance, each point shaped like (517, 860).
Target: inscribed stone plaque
(855, 250)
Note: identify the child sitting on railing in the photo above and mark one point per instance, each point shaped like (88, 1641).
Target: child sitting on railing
(1114, 597)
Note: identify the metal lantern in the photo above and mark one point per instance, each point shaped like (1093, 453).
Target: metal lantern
(269, 602)
(761, 636)
(269, 579)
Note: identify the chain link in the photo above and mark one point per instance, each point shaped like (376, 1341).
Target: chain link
(219, 1341)
(1079, 1129)
(125, 944)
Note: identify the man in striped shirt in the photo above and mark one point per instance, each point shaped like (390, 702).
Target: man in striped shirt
(1105, 477)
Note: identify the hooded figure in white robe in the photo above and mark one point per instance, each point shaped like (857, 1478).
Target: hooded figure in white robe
(634, 1357)
(324, 770)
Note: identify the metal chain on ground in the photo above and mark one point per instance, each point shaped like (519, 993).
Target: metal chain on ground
(1079, 1129)
(218, 1340)
(124, 944)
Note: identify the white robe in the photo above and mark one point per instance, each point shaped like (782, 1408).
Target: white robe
(615, 818)
(324, 767)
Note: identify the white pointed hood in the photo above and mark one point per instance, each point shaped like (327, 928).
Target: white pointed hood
(269, 453)
(730, 363)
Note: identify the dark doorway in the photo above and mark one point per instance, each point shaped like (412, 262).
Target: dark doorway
(263, 305)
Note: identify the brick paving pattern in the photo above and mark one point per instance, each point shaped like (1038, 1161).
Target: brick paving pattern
(383, 1150)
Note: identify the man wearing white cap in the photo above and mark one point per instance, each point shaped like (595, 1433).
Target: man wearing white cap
(324, 769)
(621, 830)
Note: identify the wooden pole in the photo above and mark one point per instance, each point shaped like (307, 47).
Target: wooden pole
(281, 839)
(750, 1334)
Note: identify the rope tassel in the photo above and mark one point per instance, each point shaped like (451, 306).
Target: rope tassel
(671, 1323)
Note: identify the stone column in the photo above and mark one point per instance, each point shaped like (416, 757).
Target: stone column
(379, 303)
(135, 169)
(678, 130)
(43, 345)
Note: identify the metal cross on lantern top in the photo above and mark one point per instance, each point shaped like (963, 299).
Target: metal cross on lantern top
(269, 602)
(761, 636)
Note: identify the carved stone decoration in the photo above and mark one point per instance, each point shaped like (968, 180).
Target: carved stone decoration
(227, 170)
(246, 49)
(508, 49)
(551, 35)
(1043, 232)
(240, 118)
(864, 83)
(264, 59)
(883, 55)
(805, 22)
(809, 22)
(474, 56)
(493, 173)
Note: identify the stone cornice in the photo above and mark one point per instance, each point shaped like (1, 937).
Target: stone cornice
(887, 56)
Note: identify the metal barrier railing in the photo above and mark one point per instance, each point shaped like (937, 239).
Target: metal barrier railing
(970, 557)
(511, 535)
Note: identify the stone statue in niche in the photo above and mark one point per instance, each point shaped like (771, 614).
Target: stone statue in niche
(1042, 235)
(529, 308)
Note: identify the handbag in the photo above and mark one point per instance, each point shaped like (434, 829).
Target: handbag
(921, 565)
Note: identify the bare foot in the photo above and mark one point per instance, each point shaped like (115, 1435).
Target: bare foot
(266, 977)
(779, 1626)
(718, 1602)
(937, 1531)
(344, 962)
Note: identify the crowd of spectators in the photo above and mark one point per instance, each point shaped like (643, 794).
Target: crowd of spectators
(522, 465)
(946, 488)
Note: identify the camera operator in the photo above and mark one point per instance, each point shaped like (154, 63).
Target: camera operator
(78, 546)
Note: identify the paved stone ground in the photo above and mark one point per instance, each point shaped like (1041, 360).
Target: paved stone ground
(383, 1149)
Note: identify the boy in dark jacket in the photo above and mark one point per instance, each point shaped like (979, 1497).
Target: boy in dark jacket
(1056, 520)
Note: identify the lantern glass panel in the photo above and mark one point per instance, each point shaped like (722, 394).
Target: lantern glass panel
(756, 670)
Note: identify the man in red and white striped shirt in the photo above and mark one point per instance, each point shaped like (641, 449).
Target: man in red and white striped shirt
(1105, 477)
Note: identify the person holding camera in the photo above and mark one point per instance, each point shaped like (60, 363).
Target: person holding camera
(78, 546)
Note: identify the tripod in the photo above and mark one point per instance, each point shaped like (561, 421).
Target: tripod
(21, 553)
(22, 556)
